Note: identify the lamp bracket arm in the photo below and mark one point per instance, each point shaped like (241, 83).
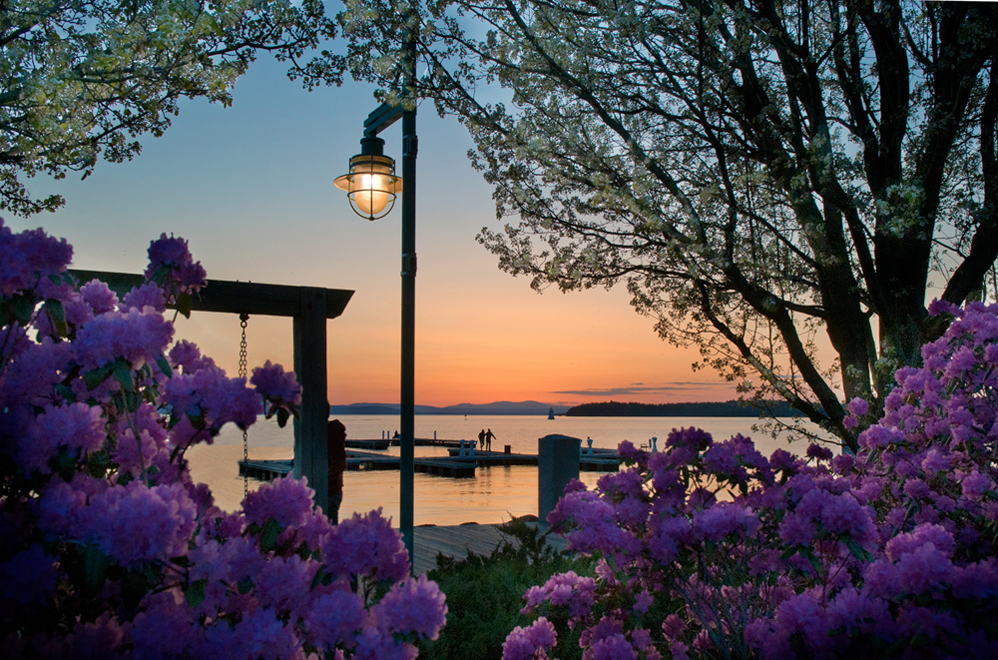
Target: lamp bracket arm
(381, 118)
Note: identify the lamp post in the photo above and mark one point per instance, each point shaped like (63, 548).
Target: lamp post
(372, 188)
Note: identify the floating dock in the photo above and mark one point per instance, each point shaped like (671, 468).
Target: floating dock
(268, 470)
(370, 445)
(455, 465)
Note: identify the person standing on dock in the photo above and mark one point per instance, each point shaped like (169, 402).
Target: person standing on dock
(488, 440)
(481, 440)
(336, 437)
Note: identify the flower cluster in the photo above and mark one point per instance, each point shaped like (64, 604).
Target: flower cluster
(281, 391)
(107, 546)
(709, 549)
(174, 271)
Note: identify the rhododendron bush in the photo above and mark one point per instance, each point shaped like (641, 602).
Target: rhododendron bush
(710, 549)
(107, 547)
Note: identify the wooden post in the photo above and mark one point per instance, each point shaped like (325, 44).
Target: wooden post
(311, 453)
(309, 307)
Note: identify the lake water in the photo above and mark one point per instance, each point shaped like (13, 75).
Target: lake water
(496, 494)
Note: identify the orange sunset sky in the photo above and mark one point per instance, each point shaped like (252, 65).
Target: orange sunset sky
(251, 188)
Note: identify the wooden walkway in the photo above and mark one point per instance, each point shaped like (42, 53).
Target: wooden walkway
(456, 540)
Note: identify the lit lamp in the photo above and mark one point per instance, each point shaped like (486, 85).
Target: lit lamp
(371, 184)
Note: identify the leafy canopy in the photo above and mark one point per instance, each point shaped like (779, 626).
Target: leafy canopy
(83, 78)
(764, 175)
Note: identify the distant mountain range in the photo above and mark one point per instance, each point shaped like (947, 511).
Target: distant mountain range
(605, 409)
(495, 408)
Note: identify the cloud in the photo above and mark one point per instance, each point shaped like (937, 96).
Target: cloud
(641, 388)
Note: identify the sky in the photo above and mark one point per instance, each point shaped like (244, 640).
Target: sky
(251, 188)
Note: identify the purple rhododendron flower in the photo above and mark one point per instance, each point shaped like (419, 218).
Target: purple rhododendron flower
(819, 453)
(76, 427)
(31, 378)
(614, 647)
(27, 577)
(413, 606)
(366, 545)
(137, 336)
(336, 618)
(98, 297)
(171, 254)
(30, 257)
(722, 519)
(273, 382)
(858, 406)
(149, 294)
(975, 485)
(526, 643)
(286, 500)
(135, 524)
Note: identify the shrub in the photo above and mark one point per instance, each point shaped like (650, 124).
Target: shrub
(107, 546)
(483, 593)
(712, 550)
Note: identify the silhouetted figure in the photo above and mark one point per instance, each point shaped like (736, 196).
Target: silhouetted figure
(336, 436)
(488, 439)
(481, 439)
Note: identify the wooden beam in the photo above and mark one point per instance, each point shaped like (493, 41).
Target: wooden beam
(231, 297)
(310, 308)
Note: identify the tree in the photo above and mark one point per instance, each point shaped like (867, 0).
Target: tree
(764, 175)
(78, 79)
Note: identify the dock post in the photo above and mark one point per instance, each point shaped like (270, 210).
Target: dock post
(557, 464)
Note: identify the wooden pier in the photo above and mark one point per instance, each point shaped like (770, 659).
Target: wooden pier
(454, 465)
(268, 470)
(370, 445)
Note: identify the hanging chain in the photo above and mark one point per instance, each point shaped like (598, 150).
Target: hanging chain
(243, 320)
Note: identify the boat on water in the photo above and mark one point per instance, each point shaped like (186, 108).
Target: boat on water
(551, 413)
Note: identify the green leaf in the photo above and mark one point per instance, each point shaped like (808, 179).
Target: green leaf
(96, 377)
(164, 366)
(195, 592)
(160, 275)
(57, 313)
(268, 536)
(22, 307)
(123, 374)
(245, 585)
(65, 393)
(184, 304)
(65, 464)
(282, 417)
(855, 550)
(95, 565)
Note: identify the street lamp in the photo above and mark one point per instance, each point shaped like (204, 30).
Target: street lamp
(372, 186)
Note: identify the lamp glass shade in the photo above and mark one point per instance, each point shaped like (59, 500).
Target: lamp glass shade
(371, 185)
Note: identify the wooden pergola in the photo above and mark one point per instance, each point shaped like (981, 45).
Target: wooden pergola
(309, 307)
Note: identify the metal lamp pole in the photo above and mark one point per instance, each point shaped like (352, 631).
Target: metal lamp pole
(372, 178)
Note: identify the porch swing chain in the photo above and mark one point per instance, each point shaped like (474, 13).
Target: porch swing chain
(243, 320)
